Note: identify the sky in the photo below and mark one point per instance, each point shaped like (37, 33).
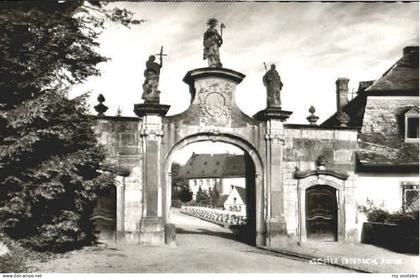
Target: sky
(312, 45)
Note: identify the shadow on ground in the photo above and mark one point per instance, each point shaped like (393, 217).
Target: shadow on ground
(237, 234)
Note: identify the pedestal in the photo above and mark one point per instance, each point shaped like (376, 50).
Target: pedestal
(273, 113)
(152, 232)
(276, 232)
(151, 224)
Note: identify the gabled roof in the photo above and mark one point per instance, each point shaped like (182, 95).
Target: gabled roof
(221, 200)
(241, 192)
(413, 111)
(403, 75)
(355, 109)
(385, 148)
(213, 166)
(376, 155)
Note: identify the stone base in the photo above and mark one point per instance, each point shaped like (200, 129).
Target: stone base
(273, 113)
(170, 235)
(128, 237)
(142, 109)
(277, 232)
(152, 232)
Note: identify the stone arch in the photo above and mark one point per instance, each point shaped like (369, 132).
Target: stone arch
(225, 138)
(330, 179)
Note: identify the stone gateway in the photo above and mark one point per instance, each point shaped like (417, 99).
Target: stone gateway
(283, 158)
(301, 178)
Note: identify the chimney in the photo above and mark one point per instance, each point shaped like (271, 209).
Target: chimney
(363, 85)
(342, 85)
(410, 49)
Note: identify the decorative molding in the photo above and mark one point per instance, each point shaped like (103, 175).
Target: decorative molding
(318, 173)
(278, 138)
(215, 102)
(273, 113)
(151, 132)
(143, 109)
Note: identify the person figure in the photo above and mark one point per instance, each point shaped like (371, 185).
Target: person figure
(151, 94)
(274, 85)
(211, 42)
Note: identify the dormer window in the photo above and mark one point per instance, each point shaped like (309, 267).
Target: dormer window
(412, 125)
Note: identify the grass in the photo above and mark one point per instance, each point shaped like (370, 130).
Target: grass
(17, 258)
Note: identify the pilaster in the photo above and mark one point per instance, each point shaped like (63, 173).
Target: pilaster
(275, 140)
(151, 132)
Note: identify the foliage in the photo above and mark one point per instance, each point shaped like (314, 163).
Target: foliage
(408, 219)
(376, 214)
(180, 188)
(12, 261)
(373, 213)
(202, 198)
(49, 157)
(214, 196)
(185, 195)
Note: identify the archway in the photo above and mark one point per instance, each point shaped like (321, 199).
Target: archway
(254, 182)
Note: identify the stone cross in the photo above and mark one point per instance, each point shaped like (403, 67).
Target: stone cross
(161, 54)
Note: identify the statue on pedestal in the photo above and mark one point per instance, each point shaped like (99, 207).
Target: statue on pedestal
(212, 42)
(151, 94)
(274, 85)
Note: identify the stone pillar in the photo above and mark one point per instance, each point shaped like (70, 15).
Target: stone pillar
(120, 192)
(276, 229)
(151, 224)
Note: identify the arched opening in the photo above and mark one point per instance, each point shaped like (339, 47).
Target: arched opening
(203, 165)
(321, 213)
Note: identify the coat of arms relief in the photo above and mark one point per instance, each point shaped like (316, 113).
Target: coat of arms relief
(215, 101)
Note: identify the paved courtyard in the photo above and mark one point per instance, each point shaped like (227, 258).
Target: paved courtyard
(201, 247)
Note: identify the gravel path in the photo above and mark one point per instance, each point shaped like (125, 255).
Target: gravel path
(201, 247)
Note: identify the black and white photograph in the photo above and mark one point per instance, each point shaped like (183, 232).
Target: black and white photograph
(209, 137)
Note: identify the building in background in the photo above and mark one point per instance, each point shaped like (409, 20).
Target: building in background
(236, 200)
(208, 171)
(387, 112)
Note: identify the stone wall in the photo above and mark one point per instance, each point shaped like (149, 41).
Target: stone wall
(383, 120)
(121, 140)
(303, 146)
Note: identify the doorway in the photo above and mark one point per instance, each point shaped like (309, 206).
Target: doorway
(321, 213)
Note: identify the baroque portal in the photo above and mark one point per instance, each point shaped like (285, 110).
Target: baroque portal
(282, 155)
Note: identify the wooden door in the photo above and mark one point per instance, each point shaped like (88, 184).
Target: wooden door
(321, 213)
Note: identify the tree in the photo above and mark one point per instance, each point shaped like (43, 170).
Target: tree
(49, 158)
(180, 187)
(214, 196)
(202, 197)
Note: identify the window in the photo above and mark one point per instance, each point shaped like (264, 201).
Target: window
(412, 125)
(410, 196)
